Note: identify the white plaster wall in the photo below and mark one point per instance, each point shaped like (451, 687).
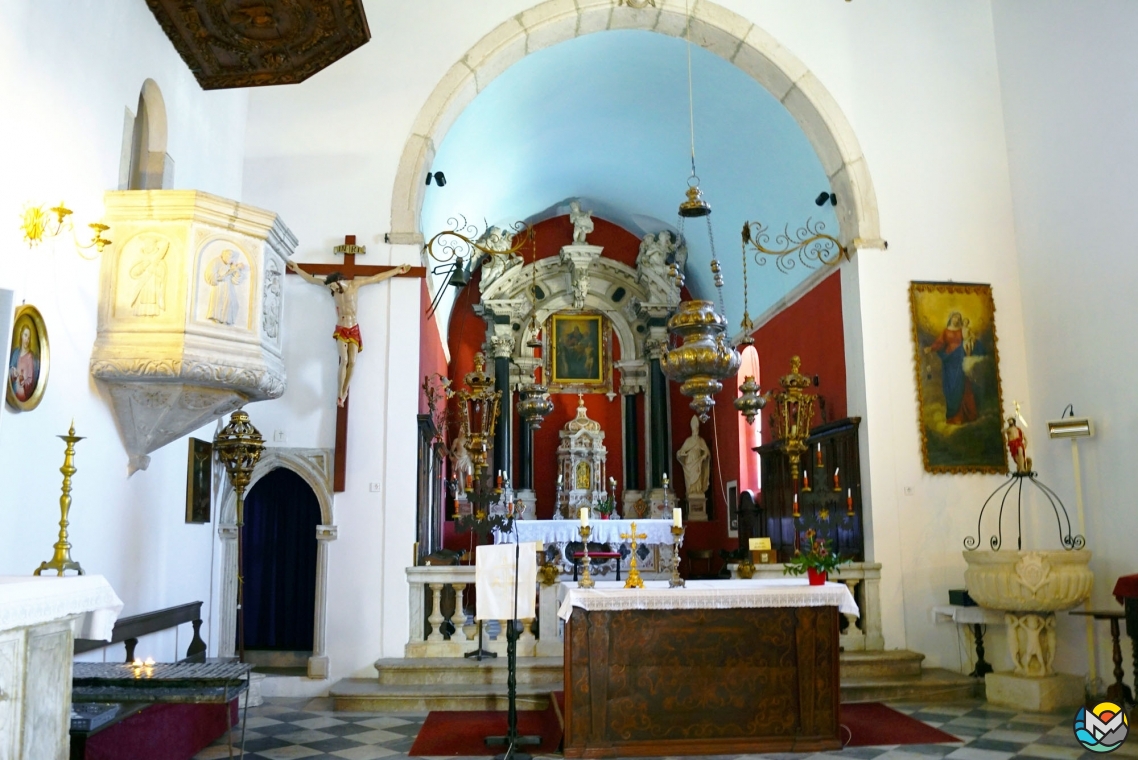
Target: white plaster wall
(1070, 104)
(68, 73)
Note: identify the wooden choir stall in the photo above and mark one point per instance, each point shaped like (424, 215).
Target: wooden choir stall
(717, 667)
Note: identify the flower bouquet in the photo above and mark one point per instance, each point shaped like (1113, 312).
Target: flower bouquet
(816, 559)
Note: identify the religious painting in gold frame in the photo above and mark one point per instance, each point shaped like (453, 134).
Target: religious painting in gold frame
(959, 395)
(30, 360)
(199, 481)
(578, 353)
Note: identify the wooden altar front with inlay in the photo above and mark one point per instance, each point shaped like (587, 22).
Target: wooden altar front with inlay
(646, 682)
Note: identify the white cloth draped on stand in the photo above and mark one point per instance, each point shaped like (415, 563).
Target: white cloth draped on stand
(494, 577)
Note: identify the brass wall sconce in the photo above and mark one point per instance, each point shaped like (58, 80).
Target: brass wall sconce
(37, 224)
(795, 413)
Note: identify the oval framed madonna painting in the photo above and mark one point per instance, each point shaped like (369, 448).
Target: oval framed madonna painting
(29, 361)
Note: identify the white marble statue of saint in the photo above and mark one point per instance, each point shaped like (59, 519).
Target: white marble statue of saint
(224, 274)
(695, 457)
(497, 239)
(461, 464)
(582, 222)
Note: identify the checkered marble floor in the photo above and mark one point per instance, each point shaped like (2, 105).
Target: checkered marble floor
(307, 728)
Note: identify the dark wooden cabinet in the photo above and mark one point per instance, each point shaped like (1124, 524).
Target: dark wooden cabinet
(822, 507)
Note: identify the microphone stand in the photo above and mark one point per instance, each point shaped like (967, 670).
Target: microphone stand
(511, 739)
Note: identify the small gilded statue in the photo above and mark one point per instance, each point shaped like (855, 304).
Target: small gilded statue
(1017, 446)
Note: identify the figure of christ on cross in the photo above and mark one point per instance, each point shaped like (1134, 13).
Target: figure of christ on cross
(344, 280)
(345, 293)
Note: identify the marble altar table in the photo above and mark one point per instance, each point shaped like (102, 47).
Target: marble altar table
(39, 620)
(718, 667)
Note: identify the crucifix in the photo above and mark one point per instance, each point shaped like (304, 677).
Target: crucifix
(633, 580)
(344, 281)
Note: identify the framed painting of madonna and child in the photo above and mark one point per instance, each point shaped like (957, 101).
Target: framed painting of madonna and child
(958, 377)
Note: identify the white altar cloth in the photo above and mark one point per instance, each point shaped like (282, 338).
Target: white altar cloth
(604, 531)
(27, 600)
(656, 595)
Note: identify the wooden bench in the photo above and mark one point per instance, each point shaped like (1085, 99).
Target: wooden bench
(128, 630)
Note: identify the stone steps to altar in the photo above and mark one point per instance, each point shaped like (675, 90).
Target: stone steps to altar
(452, 670)
(418, 685)
(931, 685)
(367, 695)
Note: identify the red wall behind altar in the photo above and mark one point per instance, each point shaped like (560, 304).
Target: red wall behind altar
(810, 328)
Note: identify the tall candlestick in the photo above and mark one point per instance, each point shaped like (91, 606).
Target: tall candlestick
(677, 517)
(584, 517)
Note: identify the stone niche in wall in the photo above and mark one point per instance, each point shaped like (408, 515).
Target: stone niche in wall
(190, 313)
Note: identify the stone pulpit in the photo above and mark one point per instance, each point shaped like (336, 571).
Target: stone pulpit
(190, 313)
(581, 463)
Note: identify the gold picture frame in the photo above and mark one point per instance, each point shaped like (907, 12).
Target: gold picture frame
(199, 481)
(29, 360)
(957, 365)
(578, 353)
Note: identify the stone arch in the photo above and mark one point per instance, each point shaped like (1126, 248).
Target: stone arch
(149, 168)
(314, 466)
(713, 27)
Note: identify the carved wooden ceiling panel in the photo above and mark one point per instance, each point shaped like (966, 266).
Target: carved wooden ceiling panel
(252, 43)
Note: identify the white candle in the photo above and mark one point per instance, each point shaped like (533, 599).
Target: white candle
(677, 514)
(584, 517)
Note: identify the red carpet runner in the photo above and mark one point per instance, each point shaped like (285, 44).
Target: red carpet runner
(463, 732)
(873, 724)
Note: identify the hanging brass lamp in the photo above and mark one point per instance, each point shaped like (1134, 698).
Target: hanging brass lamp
(750, 402)
(704, 358)
(534, 405)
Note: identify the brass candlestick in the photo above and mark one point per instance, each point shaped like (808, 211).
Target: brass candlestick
(677, 541)
(62, 561)
(586, 579)
(633, 580)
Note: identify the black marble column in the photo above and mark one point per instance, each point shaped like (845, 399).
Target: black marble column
(658, 420)
(504, 432)
(631, 445)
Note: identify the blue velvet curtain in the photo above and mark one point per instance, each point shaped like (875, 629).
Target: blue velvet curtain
(281, 515)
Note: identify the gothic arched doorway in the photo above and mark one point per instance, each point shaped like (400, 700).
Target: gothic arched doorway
(281, 518)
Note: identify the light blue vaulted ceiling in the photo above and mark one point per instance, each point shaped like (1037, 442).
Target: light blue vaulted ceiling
(604, 118)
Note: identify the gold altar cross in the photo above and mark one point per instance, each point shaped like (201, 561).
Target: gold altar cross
(633, 580)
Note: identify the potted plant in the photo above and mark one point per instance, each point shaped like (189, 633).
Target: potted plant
(816, 559)
(606, 507)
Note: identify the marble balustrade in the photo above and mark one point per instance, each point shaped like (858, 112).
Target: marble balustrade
(434, 587)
